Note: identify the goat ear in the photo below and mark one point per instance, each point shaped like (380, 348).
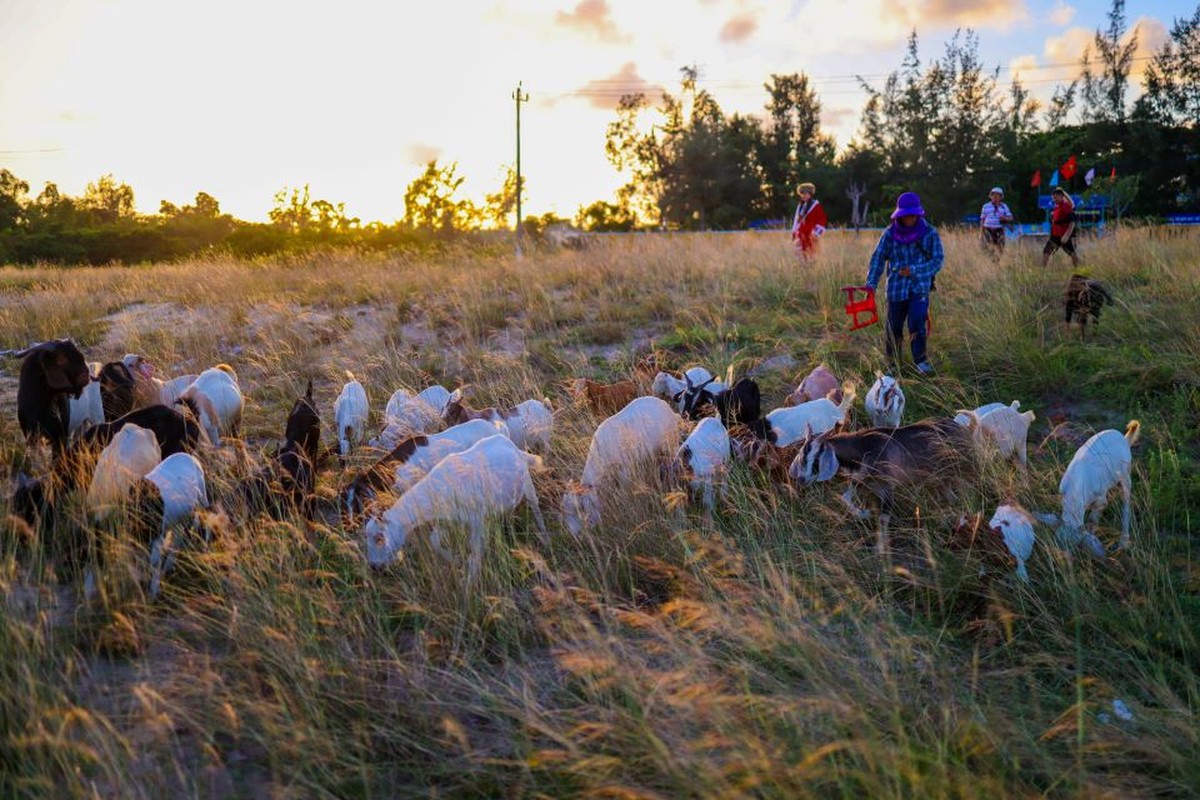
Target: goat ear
(308, 391)
(827, 463)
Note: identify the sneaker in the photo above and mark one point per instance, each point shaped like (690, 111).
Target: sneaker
(925, 368)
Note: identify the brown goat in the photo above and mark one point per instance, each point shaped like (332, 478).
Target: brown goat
(817, 384)
(604, 399)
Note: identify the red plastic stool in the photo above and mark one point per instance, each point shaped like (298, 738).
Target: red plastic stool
(861, 310)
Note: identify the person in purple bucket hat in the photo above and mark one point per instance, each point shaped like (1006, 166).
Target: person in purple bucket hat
(911, 252)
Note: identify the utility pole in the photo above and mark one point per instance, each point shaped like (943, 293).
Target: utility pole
(519, 97)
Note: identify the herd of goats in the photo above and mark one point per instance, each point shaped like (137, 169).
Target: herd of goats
(132, 440)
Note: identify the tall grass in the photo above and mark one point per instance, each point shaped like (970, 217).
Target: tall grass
(765, 652)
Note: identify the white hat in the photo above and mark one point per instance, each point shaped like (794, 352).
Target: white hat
(997, 190)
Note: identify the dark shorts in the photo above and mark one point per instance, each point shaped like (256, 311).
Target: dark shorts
(1054, 243)
(994, 236)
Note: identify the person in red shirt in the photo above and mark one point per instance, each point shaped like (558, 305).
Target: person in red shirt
(1062, 227)
(808, 224)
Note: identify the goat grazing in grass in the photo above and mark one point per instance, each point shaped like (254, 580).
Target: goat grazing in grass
(703, 459)
(1002, 427)
(51, 373)
(489, 479)
(604, 398)
(790, 424)
(821, 382)
(645, 430)
(882, 459)
(165, 500)
(1101, 464)
(350, 412)
(409, 461)
(530, 423)
(215, 399)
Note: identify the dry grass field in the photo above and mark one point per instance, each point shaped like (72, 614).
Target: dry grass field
(766, 652)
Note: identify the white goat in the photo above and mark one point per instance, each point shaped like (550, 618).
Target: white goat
(885, 402)
(489, 479)
(1101, 464)
(1004, 427)
(126, 459)
(530, 422)
(790, 424)
(961, 416)
(174, 489)
(667, 386)
(350, 412)
(216, 400)
(645, 429)
(437, 396)
(1015, 525)
(429, 453)
(406, 415)
(88, 408)
(172, 389)
(704, 458)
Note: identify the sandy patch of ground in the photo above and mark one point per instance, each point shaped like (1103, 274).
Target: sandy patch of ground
(130, 321)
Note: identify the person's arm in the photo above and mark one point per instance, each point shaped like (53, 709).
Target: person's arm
(796, 222)
(1006, 213)
(819, 219)
(879, 259)
(1070, 231)
(937, 256)
(982, 215)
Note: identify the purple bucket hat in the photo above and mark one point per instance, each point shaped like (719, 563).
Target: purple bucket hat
(908, 205)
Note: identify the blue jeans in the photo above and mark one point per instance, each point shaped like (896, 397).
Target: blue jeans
(914, 309)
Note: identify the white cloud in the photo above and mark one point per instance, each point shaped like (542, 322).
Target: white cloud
(1061, 15)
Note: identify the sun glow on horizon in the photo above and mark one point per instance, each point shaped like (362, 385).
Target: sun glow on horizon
(242, 99)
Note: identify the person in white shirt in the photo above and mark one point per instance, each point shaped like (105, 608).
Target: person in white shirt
(992, 219)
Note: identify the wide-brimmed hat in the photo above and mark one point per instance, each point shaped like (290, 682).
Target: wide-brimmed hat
(908, 205)
(997, 190)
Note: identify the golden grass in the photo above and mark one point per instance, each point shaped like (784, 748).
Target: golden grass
(766, 652)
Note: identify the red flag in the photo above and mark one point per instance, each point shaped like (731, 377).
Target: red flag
(1037, 179)
(1068, 169)
(1114, 174)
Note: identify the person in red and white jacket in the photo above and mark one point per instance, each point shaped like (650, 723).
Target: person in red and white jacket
(808, 224)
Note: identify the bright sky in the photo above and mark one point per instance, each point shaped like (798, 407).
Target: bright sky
(240, 98)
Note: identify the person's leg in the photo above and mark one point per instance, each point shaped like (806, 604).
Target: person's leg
(918, 309)
(897, 313)
(1069, 248)
(1048, 251)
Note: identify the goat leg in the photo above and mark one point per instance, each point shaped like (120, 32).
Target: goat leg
(532, 499)
(847, 497)
(1124, 543)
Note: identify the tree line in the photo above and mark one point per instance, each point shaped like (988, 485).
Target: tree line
(944, 127)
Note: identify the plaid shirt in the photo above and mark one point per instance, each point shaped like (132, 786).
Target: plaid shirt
(923, 258)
